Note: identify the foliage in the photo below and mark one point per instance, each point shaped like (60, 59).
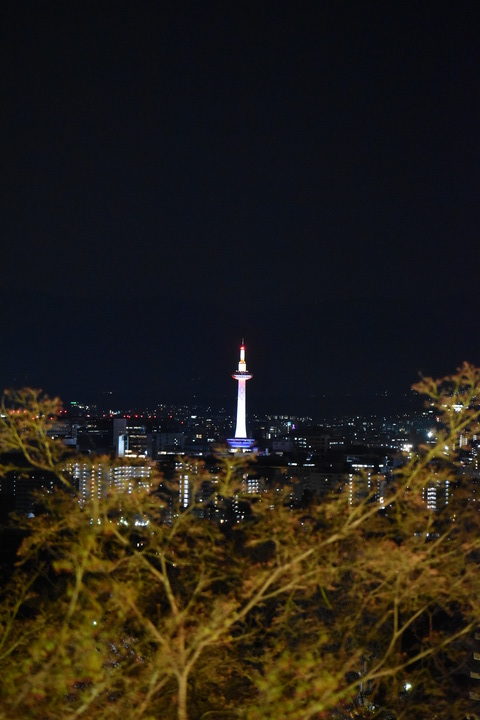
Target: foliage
(26, 416)
(128, 605)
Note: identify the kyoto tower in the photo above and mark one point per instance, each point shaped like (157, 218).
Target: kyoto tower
(241, 441)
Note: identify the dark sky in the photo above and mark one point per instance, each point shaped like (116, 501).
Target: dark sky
(177, 175)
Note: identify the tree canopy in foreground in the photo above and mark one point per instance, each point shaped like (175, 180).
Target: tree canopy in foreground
(127, 605)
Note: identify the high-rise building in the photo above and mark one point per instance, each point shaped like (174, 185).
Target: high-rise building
(19, 487)
(95, 479)
(241, 442)
(131, 439)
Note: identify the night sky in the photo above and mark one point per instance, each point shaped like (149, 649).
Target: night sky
(178, 175)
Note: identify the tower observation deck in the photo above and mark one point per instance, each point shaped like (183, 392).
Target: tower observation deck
(241, 441)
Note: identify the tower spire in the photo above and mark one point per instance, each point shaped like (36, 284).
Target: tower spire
(242, 365)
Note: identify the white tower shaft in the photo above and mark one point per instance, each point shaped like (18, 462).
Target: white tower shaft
(241, 426)
(242, 375)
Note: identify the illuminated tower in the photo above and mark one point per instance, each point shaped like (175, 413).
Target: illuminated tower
(241, 441)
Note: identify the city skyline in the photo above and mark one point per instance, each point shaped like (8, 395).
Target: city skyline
(332, 403)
